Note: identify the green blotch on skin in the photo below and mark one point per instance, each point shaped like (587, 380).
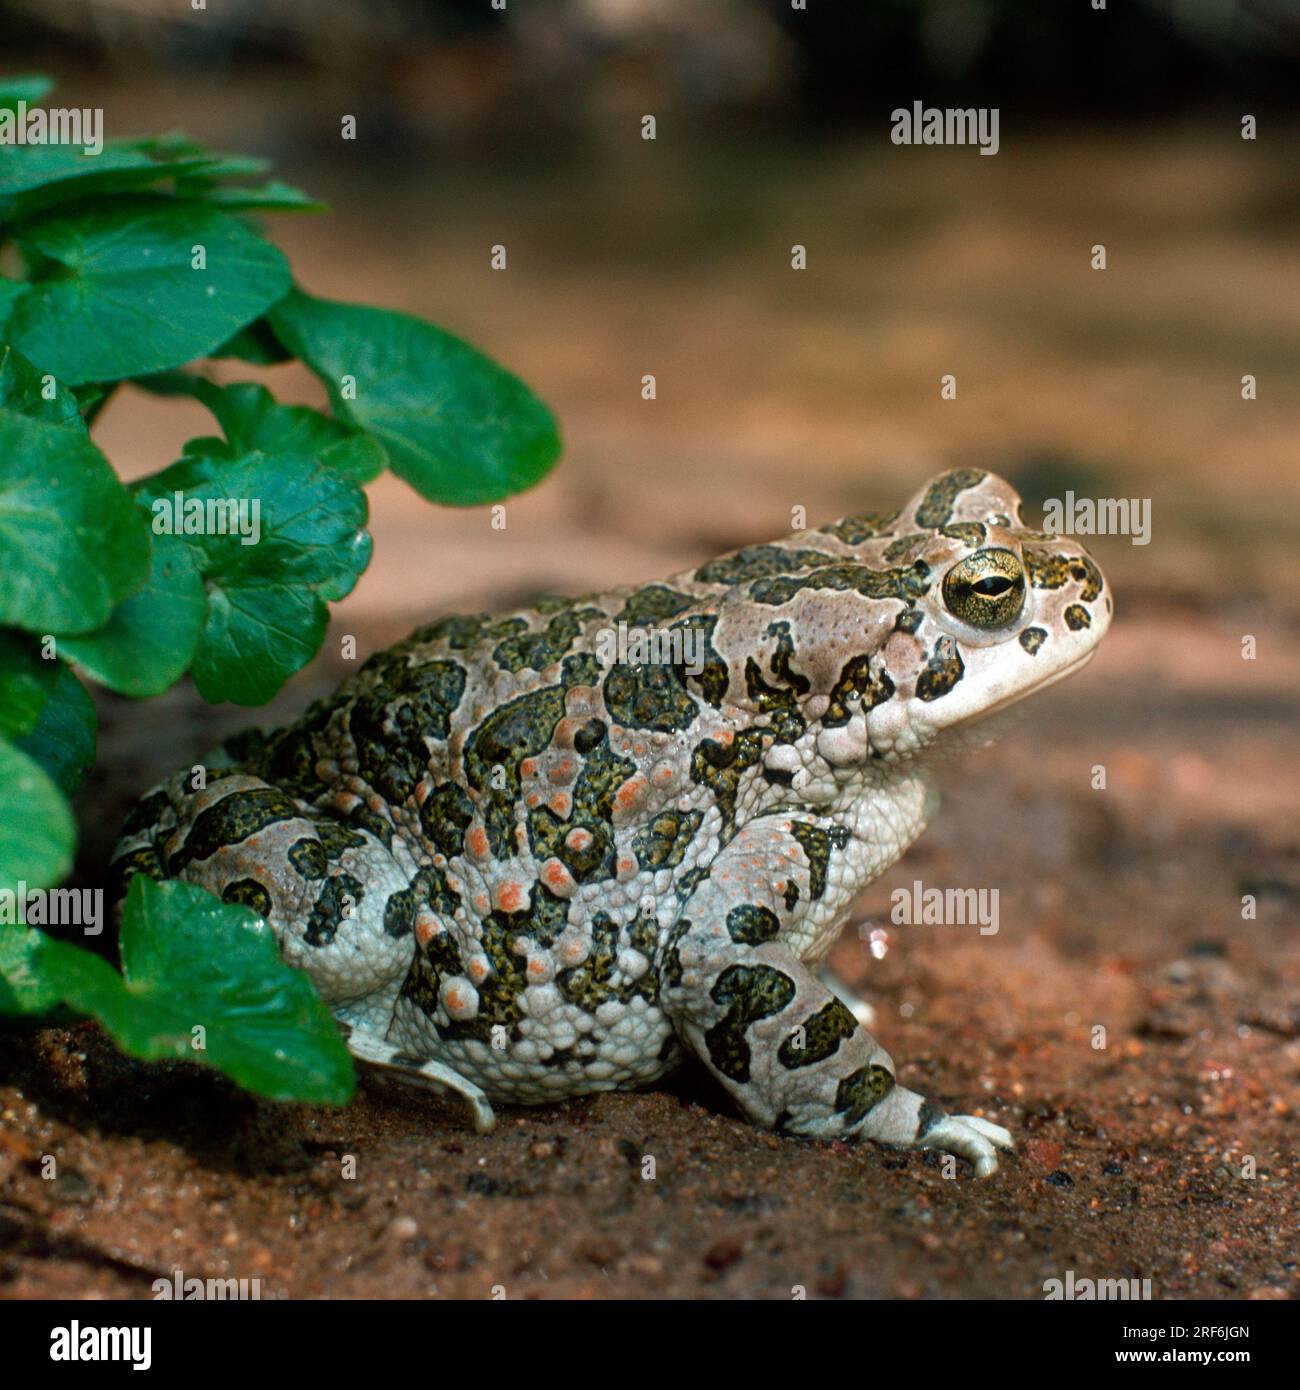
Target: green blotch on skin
(750, 992)
(602, 774)
(905, 548)
(538, 650)
(859, 1093)
(822, 1034)
(459, 631)
(713, 677)
(757, 561)
(230, 820)
(590, 984)
(649, 697)
(751, 925)
(652, 605)
(390, 721)
(1049, 571)
(720, 766)
(250, 893)
(847, 577)
(307, 857)
(865, 526)
(664, 842)
(942, 672)
(337, 897)
(817, 843)
(856, 678)
(335, 837)
(936, 507)
(970, 533)
(445, 816)
(519, 729)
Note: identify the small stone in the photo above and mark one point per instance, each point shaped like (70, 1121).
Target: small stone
(832, 1285)
(723, 1253)
(648, 1267)
(1043, 1153)
(600, 1250)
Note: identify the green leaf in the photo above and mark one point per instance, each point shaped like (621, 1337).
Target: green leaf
(266, 601)
(92, 398)
(10, 293)
(252, 419)
(191, 962)
(37, 831)
(216, 166)
(256, 344)
(32, 89)
(173, 382)
(150, 639)
(25, 683)
(457, 427)
(22, 388)
(131, 303)
(35, 178)
(272, 196)
(73, 543)
(24, 987)
(63, 741)
(45, 711)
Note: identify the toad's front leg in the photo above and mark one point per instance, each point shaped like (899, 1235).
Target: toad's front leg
(774, 1035)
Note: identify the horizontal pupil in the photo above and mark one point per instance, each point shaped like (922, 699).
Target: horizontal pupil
(991, 588)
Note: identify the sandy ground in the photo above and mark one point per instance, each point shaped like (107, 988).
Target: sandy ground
(1120, 908)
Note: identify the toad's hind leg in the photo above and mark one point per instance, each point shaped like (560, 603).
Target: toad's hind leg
(343, 900)
(792, 1055)
(371, 1049)
(835, 982)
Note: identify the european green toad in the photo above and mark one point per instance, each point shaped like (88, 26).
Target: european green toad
(557, 851)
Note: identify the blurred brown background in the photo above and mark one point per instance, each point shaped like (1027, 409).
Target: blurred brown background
(672, 257)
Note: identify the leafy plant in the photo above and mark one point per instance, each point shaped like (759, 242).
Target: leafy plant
(133, 265)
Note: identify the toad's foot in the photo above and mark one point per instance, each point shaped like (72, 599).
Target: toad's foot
(970, 1138)
(421, 1071)
(908, 1120)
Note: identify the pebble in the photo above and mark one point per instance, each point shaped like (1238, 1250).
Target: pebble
(723, 1253)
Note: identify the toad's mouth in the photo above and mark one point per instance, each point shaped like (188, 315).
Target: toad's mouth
(1016, 696)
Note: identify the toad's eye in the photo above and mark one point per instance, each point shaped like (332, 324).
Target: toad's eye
(986, 590)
